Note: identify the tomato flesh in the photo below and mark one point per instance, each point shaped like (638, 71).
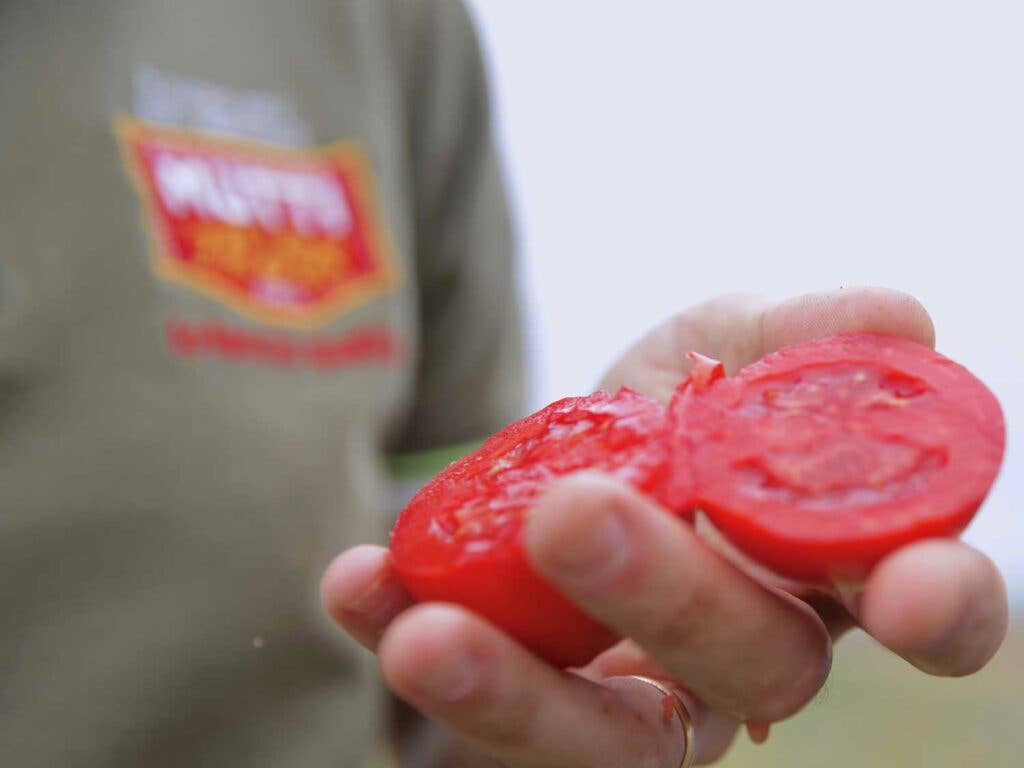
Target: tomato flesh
(459, 538)
(822, 458)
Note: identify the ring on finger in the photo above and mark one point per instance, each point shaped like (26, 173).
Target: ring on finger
(682, 714)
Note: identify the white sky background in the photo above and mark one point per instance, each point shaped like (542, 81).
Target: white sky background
(663, 152)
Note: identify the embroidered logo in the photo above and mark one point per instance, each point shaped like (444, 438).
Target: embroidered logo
(289, 237)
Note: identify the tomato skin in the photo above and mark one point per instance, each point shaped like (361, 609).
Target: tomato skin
(820, 459)
(459, 539)
(507, 592)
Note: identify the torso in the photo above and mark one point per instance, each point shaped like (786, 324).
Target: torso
(184, 445)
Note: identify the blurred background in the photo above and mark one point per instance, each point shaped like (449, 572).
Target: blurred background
(660, 153)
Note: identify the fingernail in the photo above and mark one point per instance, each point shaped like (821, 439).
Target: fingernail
(961, 638)
(597, 550)
(450, 679)
(357, 584)
(363, 601)
(758, 731)
(371, 602)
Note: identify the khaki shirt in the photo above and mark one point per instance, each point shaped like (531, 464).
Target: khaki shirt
(247, 248)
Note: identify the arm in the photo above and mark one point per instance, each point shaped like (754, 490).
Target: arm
(469, 378)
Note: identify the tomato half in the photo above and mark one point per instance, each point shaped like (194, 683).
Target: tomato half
(821, 458)
(459, 539)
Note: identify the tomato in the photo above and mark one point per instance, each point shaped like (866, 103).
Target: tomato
(459, 539)
(821, 458)
(815, 462)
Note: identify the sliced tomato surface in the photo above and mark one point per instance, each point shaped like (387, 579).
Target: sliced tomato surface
(459, 539)
(821, 458)
(678, 491)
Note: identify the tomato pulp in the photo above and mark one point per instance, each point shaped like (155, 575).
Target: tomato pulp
(820, 459)
(459, 539)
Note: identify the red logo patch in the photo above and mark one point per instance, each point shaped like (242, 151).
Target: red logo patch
(288, 237)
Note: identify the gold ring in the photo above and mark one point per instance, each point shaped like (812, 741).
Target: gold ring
(681, 712)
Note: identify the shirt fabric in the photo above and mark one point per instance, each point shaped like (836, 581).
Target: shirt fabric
(180, 454)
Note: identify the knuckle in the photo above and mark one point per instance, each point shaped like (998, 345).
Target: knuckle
(505, 721)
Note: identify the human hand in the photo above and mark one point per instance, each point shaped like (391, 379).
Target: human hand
(738, 650)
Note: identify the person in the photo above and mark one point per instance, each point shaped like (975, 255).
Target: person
(247, 251)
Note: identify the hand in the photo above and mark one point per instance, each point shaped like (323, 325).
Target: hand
(739, 651)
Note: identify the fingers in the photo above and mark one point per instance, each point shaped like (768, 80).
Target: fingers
(716, 730)
(940, 604)
(361, 593)
(739, 329)
(501, 698)
(458, 669)
(877, 310)
(726, 328)
(741, 648)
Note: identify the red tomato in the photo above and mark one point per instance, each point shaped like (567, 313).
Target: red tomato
(821, 458)
(459, 539)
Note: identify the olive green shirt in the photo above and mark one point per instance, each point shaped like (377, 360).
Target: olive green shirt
(247, 249)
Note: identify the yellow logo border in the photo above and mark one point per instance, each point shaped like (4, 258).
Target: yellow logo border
(348, 153)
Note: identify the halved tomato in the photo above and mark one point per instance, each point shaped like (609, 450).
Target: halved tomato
(459, 539)
(820, 459)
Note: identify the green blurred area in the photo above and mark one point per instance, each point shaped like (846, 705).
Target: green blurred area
(878, 711)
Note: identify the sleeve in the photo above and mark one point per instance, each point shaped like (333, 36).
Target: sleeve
(469, 379)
